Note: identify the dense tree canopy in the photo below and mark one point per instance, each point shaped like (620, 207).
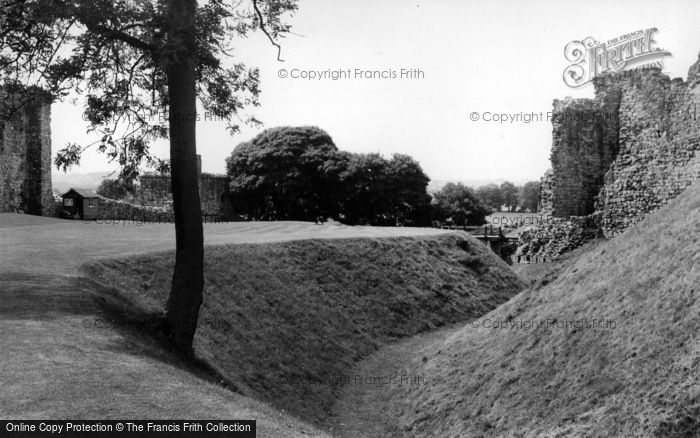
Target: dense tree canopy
(529, 196)
(383, 192)
(410, 203)
(297, 173)
(280, 174)
(458, 204)
(115, 189)
(490, 196)
(509, 196)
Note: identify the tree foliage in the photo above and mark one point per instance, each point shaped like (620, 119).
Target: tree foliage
(297, 173)
(280, 175)
(378, 191)
(115, 54)
(458, 204)
(529, 196)
(490, 196)
(115, 189)
(141, 66)
(509, 195)
(411, 203)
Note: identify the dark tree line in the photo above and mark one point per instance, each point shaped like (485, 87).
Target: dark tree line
(297, 173)
(510, 197)
(459, 205)
(116, 189)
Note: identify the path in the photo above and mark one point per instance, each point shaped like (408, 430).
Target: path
(360, 411)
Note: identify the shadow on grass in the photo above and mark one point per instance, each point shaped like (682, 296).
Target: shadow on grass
(296, 316)
(46, 297)
(145, 333)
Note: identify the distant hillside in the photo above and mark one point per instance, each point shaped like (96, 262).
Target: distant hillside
(64, 181)
(611, 347)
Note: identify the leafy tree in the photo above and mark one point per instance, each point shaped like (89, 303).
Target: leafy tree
(529, 196)
(339, 195)
(128, 58)
(460, 204)
(509, 195)
(115, 188)
(409, 202)
(362, 198)
(297, 173)
(280, 174)
(490, 196)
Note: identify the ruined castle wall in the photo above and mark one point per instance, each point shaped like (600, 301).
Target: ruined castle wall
(647, 131)
(110, 209)
(213, 194)
(626, 152)
(155, 191)
(584, 144)
(545, 205)
(658, 146)
(25, 157)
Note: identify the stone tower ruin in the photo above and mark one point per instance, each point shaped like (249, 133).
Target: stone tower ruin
(25, 152)
(624, 153)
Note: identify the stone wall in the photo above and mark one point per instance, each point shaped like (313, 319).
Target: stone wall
(545, 205)
(25, 153)
(110, 209)
(584, 144)
(659, 141)
(214, 194)
(155, 191)
(617, 157)
(555, 236)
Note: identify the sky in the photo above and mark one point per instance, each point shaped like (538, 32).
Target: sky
(465, 56)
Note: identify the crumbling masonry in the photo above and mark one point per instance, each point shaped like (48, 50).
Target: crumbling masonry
(155, 191)
(621, 155)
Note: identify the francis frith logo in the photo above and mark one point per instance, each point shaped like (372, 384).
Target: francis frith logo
(591, 58)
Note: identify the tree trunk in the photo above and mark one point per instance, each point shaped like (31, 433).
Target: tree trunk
(185, 299)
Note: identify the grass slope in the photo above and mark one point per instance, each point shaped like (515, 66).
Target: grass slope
(54, 361)
(638, 377)
(284, 322)
(56, 364)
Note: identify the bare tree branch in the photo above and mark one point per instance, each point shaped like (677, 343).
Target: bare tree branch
(262, 27)
(115, 34)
